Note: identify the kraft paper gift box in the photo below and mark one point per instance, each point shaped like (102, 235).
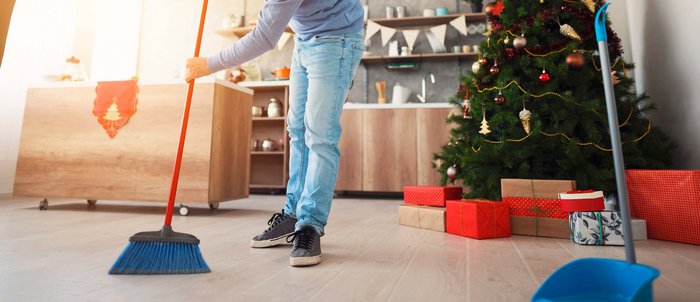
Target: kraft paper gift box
(535, 209)
(424, 217)
(535, 188)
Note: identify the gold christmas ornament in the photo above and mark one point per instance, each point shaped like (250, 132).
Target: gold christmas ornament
(484, 124)
(590, 4)
(519, 42)
(525, 116)
(476, 66)
(569, 31)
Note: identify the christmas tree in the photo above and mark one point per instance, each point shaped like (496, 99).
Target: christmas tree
(534, 105)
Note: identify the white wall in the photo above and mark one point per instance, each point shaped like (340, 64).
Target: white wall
(41, 36)
(165, 45)
(665, 42)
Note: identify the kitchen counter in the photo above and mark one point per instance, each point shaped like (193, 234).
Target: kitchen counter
(397, 106)
(206, 81)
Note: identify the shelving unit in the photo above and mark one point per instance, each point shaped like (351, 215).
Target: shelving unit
(417, 57)
(424, 21)
(268, 169)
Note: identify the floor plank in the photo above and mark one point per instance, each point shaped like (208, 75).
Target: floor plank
(63, 255)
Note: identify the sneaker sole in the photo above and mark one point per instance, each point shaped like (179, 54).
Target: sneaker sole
(269, 243)
(304, 261)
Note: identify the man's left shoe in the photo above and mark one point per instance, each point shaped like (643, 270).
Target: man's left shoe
(306, 247)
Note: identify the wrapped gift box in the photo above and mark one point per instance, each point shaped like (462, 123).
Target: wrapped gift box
(535, 207)
(535, 188)
(669, 201)
(596, 228)
(430, 195)
(539, 226)
(582, 201)
(478, 219)
(429, 218)
(639, 229)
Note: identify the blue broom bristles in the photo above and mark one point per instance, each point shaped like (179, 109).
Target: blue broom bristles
(160, 258)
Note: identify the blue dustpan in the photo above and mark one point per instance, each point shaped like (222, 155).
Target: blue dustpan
(594, 279)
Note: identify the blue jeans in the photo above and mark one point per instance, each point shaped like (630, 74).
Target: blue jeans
(321, 73)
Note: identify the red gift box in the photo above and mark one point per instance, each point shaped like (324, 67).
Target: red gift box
(477, 219)
(430, 195)
(535, 207)
(581, 201)
(669, 201)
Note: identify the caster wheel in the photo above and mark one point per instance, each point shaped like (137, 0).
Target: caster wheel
(91, 202)
(43, 205)
(184, 210)
(214, 206)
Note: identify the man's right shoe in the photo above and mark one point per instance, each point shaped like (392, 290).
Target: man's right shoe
(280, 226)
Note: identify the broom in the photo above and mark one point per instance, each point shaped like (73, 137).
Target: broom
(166, 252)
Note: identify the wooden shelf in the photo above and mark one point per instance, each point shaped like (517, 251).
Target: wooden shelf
(239, 32)
(422, 21)
(417, 57)
(263, 186)
(266, 152)
(262, 118)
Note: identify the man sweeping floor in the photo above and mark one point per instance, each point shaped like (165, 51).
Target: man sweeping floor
(327, 50)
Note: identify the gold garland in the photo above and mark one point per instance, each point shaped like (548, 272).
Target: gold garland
(566, 137)
(519, 87)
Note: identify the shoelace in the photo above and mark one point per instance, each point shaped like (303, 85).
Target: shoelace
(303, 238)
(275, 220)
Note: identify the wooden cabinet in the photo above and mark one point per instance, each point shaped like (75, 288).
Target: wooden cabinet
(64, 151)
(431, 134)
(382, 150)
(269, 169)
(389, 149)
(351, 151)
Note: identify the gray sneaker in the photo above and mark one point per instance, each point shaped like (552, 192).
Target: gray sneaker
(280, 227)
(306, 247)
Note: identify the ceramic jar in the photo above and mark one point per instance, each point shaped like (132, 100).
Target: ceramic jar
(274, 109)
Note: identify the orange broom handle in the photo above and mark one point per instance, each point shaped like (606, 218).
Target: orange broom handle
(183, 128)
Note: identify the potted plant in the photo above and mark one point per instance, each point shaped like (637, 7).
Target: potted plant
(476, 5)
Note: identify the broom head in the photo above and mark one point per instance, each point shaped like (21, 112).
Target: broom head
(163, 252)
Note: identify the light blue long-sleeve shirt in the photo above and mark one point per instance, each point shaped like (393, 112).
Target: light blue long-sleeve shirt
(308, 18)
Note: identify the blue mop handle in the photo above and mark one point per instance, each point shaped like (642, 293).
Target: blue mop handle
(602, 36)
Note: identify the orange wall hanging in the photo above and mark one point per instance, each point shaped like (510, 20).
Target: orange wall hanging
(115, 104)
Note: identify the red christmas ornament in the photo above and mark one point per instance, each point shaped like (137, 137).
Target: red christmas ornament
(488, 8)
(498, 8)
(499, 99)
(510, 53)
(544, 77)
(467, 109)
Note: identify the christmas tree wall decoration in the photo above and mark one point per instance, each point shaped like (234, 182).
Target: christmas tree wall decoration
(564, 132)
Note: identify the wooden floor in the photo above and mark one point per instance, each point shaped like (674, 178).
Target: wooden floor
(63, 255)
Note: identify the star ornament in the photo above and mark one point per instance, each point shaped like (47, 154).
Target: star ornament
(498, 8)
